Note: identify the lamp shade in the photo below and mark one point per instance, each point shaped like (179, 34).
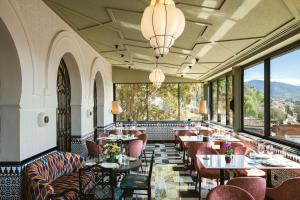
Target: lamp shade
(157, 77)
(116, 108)
(202, 107)
(162, 23)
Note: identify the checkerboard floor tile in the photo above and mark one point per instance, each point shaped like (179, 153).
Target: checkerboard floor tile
(170, 179)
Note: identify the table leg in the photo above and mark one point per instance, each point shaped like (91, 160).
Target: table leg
(269, 178)
(222, 176)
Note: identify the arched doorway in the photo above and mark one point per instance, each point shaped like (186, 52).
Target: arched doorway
(63, 113)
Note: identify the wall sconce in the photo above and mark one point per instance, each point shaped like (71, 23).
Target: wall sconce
(43, 119)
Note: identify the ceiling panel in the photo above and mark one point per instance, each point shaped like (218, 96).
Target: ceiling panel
(216, 31)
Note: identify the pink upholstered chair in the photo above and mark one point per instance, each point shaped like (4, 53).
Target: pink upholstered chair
(134, 148)
(102, 135)
(288, 190)
(115, 132)
(125, 132)
(207, 132)
(234, 145)
(202, 172)
(256, 186)
(137, 133)
(196, 148)
(185, 145)
(229, 192)
(93, 149)
(144, 138)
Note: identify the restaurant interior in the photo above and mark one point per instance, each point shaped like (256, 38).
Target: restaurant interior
(150, 99)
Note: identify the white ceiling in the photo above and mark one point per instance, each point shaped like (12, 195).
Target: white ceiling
(217, 32)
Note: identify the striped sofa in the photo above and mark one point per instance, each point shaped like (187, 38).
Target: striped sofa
(55, 176)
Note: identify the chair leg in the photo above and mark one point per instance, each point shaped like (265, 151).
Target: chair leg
(145, 157)
(149, 194)
(200, 180)
(196, 181)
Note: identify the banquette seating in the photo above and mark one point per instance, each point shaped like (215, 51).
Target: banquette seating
(56, 176)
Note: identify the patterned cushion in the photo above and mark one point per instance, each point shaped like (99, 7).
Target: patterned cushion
(132, 181)
(41, 173)
(71, 181)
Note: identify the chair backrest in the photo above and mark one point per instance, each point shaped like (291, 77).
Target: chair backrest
(188, 133)
(144, 138)
(136, 133)
(135, 148)
(197, 147)
(229, 192)
(150, 170)
(289, 189)
(203, 151)
(125, 132)
(92, 147)
(256, 186)
(115, 132)
(234, 145)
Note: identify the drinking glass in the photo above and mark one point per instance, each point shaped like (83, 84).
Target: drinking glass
(261, 148)
(270, 149)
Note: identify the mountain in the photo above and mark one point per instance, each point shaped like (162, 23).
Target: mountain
(278, 90)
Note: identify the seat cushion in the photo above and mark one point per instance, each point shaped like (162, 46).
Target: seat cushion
(133, 181)
(71, 181)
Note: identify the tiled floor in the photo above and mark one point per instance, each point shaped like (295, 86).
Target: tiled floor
(170, 179)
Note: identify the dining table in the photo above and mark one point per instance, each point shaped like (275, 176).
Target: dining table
(214, 138)
(113, 169)
(258, 161)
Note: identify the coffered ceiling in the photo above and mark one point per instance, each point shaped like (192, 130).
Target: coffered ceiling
(218, 33)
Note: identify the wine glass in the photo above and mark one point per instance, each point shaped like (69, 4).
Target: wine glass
(260, 148)
(270, 149)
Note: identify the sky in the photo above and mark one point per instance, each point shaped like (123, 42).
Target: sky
(284, 69)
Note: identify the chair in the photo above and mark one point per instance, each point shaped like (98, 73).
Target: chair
(144, 138)
(229, 192)
(202, 172)
(256, 186)
(185, 145)
(93, 149)
(125, 132)
(137, 133)
(196, 148)
(115, 132)
(135, 182)
(134, 148)
(288, 190)
(234, 145)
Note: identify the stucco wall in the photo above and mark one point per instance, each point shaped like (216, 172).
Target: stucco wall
(41, 40)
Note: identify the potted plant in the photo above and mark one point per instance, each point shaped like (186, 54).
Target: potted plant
(112, 150)
(228, 152)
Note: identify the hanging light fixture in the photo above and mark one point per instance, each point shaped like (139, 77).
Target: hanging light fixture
(162, 23)
(157, 76)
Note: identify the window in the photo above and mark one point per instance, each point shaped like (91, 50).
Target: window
(220, 100)
(229, 101)
(163, 102)
(253, 105)
(215, 101)
(133, 98)
(190, 94)
(285, 96)
(172, 101)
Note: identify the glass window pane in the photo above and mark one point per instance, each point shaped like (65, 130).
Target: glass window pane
(254, 99)
(133, 99)
(214, 101)
(285, 96)
(163, 102)
(222, 101)
(229, 99)
(190, 95)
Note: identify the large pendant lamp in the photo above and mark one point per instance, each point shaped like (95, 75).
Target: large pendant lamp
(162, 23)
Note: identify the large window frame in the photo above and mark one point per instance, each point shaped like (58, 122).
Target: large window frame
(267, 94)
(227, 104)
(178, 100)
